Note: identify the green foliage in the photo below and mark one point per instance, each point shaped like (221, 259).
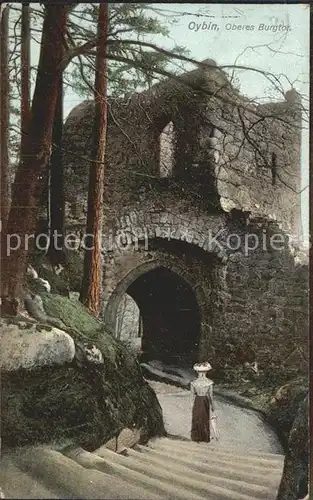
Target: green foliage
(131, 22)
(70, 278)
(137, 16)
(82, 325)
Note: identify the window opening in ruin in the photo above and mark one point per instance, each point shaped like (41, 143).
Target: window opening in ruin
(274, 168)
(167, 148)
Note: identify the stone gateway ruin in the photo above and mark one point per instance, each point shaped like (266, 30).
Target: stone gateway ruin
(199, 183)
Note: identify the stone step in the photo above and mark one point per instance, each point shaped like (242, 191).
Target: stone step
(183, 469)
(203, 484)
(224, 461)
(257, 454)
(163, 469)
(213, 469)
(118, 465)
(268, 460)
(19, 484)
(213, 445)
(75, 481)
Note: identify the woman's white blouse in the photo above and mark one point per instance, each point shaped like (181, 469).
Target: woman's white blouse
(202, 387)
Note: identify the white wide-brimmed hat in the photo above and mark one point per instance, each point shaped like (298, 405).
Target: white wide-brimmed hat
(202, 367)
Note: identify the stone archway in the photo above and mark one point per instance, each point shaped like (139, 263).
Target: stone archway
(171, 308)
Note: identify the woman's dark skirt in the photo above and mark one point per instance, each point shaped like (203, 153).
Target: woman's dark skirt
(200, 426)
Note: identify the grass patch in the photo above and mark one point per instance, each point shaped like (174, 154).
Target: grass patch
(80, 323)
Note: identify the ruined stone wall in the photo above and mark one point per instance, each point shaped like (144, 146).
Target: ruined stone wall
(201, 270)
(226, 152)
(260, 160)
(230, 163)
(251, 294)
(268, 306)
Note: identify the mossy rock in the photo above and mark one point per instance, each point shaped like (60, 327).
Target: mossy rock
(70, 277)
(78, 402)
(295, 479)
(81, 324)
(283, 407)
(78, 405)
(35, 286)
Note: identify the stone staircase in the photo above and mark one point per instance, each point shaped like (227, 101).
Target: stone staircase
(163, 469)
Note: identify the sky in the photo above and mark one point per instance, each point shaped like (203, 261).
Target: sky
(277, 41)
(273, 38)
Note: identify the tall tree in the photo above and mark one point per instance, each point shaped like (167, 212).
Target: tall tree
(28, 181)
(2, 7)
(137, 69)
(25, 73)
(91, 284)
(4, 108)
(56, 198)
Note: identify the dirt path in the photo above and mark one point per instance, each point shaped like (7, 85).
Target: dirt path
(239, 428)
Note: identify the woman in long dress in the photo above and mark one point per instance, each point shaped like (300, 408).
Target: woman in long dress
(202, 411)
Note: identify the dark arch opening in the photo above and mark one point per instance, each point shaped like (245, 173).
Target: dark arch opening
(170, 316)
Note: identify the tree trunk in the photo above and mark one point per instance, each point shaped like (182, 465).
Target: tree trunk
(29, 179)
(4, 111)
(91, 284)
(2, 7)
(25, 74)
(311, 274)
(56, 195)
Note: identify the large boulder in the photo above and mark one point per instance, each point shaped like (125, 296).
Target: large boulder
(88, 399)
(283, 407)
(294, 483)
(27, 345)
(126, 439)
